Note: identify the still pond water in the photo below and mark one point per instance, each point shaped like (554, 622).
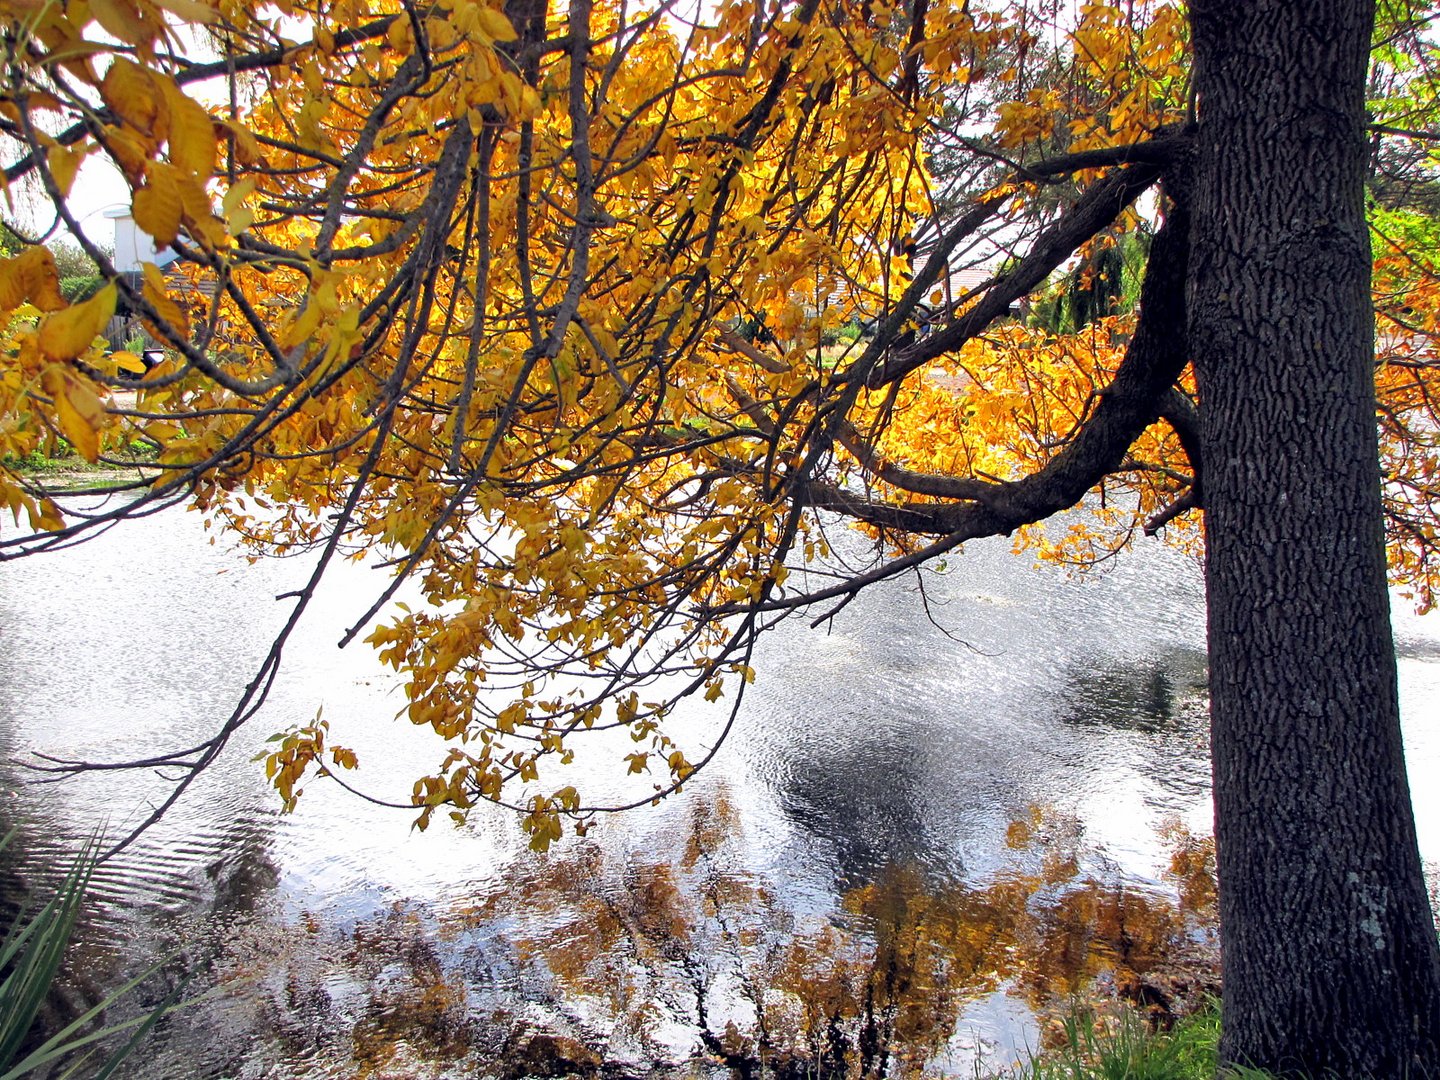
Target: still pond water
(925, 833)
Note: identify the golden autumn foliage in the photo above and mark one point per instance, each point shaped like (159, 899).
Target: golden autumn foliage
(539, 303)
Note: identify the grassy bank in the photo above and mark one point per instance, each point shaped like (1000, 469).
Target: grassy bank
(65, 469)
(1095, 1047)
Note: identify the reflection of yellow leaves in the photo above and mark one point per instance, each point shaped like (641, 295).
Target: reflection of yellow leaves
(910, 953)
(1192, 866)
(1023, 831)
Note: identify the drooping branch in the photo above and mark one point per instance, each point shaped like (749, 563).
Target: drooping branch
(1134, 399)
(496, 288)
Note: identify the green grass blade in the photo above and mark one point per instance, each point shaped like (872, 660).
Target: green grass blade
(33, 949)
(38, 954)
(68, 1040)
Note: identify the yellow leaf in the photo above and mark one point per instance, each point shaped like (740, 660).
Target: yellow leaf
(130, 150)
(43, 99)
(247, 147)
(49, 517)
(30, 276)
(66, 47)
(64, 164)
(192, 133)
(128, 361)
(77, 409)
(12, 284)
(135, 22)
(193, 11)
(237, 215)
(397, 35)
(157, 206)
(204, 226)
(495, 24)
(42, 279)
(66, 334)
(153, 289)
(132, 95)
(312, 78)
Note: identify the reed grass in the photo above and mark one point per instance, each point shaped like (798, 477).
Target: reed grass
(1124, 1047)
(31, 955)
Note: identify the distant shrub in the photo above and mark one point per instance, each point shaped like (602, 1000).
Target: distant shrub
(81, 287)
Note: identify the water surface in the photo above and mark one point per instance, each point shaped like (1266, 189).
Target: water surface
(935, 819)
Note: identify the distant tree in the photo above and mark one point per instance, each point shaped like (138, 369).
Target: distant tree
(72, 262)
(1105, 281)
(83, 287)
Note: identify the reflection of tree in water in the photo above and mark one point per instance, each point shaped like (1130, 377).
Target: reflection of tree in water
(244, 873)
(1160, 705)
(1150, 694)
(582, 959)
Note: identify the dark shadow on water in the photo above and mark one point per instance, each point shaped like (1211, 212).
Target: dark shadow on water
(865, 802)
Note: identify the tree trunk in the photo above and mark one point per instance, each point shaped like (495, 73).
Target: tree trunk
(1329, 951)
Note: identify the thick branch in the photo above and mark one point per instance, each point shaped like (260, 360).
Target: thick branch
(1180, 413)
(917, 483)
(1098, 207)
(751, 352)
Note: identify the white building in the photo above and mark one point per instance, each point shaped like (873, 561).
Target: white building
(133, 246)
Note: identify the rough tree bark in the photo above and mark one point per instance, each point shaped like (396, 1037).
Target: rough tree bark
(1330, 955)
